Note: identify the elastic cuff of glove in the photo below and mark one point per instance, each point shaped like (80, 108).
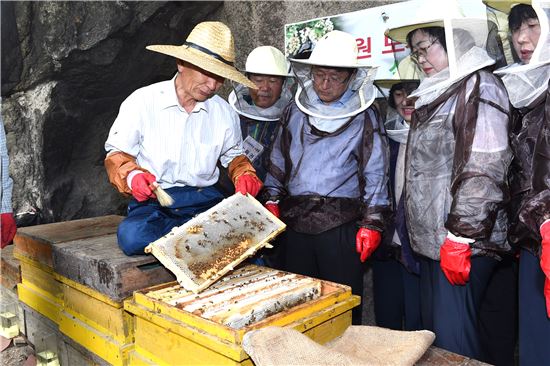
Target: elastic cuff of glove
(459, 239)
(545, 227)
(131, 176)
(272, 202)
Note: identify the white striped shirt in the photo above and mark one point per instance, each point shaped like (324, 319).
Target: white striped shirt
(179, 148)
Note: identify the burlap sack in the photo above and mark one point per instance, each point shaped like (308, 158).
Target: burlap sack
(359, 345)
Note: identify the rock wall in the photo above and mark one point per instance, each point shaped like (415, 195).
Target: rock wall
(67, 66)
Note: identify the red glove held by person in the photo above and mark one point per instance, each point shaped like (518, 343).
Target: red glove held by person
(141, 186)
(248, 183)
(273, 207)
(366, 242)
(545, 261)
(7, 222)
(455, 259)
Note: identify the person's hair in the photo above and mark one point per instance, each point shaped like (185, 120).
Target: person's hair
(519, 14)
(407, 86)
(435, 32)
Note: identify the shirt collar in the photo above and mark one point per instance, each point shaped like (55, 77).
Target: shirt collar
(169, 98)
(340, 102)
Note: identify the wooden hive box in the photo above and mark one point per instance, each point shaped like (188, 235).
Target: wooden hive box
(99, 264)
(39, 288)
(96, 276)
(10, 269)
(10, 277)
(36, 242)
(167, 335)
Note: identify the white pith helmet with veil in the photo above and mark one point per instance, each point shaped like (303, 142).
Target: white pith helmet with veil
(470, 44)
(335, 49)
(263, 60)
(525, 82)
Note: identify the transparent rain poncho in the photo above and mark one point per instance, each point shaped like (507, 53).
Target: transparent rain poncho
(329, 117)
(527, 82)
(457, 150)
(242, 103)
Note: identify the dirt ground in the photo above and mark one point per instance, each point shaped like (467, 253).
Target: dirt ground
(17, 355)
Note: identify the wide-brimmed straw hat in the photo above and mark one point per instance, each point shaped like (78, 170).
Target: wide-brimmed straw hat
(209, 46)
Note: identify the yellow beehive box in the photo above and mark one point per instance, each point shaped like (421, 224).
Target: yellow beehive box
(38, 288)
(91, 339)
(97, 310)
(165, 334)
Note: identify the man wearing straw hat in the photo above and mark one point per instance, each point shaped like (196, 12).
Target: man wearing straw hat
(172, 134)
(329, 164)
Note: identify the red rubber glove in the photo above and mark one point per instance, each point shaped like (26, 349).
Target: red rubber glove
(7, 222)
(366, 242)
(141, 186)
(545, 261)
(273, 207)
(455, 259)
(248, 183)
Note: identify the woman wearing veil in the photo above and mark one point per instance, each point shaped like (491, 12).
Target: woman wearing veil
(328, 172)
(527, 83)
(457, 161)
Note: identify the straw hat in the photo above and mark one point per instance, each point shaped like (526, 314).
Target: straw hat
(209, 46)
(334, 49)
(505, 5)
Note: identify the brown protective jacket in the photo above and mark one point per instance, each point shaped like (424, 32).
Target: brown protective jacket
(531, 174)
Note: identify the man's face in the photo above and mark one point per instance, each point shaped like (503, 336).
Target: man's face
(330, 83)
(197, 83)
(269, 89)
(525, 39)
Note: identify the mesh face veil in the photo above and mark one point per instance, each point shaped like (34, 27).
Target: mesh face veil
(526, 82)
(335, 51)
(446, 46)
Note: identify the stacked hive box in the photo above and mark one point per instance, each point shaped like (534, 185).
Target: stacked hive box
(75, 276)
(11, 313)
(166, 334)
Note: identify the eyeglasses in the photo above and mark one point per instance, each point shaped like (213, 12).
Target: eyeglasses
(421, 51)
(319, 77)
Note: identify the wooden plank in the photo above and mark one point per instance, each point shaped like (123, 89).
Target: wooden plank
(10, 270)
(166, 348)
(99, 343)
(136, 359)
(39, 300)
(436, 356)
(99, 263)
(73, 354)
(114, 321)
(41, 279)
(36, 242)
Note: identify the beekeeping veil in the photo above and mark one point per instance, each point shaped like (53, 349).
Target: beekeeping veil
(526, 82)
(471, 44)
(263, 60)
(339, 50)
(396, 126)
